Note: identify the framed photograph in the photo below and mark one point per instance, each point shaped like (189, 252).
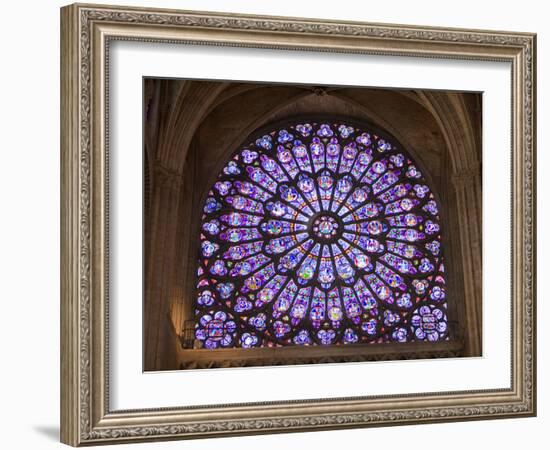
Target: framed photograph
(277, 224)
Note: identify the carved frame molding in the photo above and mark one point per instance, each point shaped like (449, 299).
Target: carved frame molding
(86, 32)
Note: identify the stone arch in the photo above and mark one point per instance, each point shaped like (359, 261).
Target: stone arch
(180, 144)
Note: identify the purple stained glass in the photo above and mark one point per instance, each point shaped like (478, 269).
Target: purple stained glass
(320, 233)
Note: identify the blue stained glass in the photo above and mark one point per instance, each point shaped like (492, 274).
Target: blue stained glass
(364, 139)
(287, 161)
(268, 293)
(404, 301)
(240, 219)
(372, 228)
(413, 172)
(225, 289)
(285, 299)
(385, 181)
(240, 234)
(333, 154)
(308, 268)
(350, 336)
(326, 274)
(343, 266)
(324, 130)
(206, 298)
(300, 306)
(361, 164)
(383, 146)
(395, 192)
(370, 327)
(212, 227)
(357, 198)
(238, 252)
(302, 156)
(400, 206)
(291, 259)
(249, 265)
(343, 188)
(317, 152)
(326, 337)
(381, 290)
(320, 234)
(431, 227)
(264, 142)
(405, 220)
(231, 168)
(366, 299)
(272, 168)
(304, 129)
(258, 322)
(421, 190)
(345, 131)
(249, 340)
(242, 305)
(218, 268)
(302, 338)
(223, 187)
(348, 157)
(209, 248)
(216, 330)
(398, 263)
(392, 279)
(292, 196)
(281, 329)
(431, 207)
(406, 250)
(398, 160)
(433, 247)
(351, 305)
(364, 212)
(376, 169)
(426, 266)
(429, 323)
(284, 136)
(281, 245)
(391, 318)
(245, 204)
(259, 176)
(251, 190)
(356, 255)
(211, 205)
(249, 156)
(410, 235)
(317, 312)
(259, 279)
(334, 310)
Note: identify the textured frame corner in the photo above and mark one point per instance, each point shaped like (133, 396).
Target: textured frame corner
(85, 34)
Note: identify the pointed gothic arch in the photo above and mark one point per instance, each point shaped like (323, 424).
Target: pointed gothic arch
(173, 223)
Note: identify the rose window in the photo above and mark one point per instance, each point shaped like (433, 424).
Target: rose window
(320, 233)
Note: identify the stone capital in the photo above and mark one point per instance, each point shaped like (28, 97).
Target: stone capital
(166, 177)
(468, 176)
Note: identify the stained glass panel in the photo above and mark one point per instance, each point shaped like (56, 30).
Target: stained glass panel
(320, 233)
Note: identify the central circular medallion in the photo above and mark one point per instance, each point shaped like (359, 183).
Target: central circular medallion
(325, 227)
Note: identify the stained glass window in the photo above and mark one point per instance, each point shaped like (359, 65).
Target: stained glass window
(320, 233)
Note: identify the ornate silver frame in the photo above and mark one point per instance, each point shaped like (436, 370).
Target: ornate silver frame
(86, 31)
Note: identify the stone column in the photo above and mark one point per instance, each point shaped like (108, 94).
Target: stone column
(467, 189)
(160, 261)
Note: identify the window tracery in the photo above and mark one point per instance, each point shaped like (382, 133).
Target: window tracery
(320, 233)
